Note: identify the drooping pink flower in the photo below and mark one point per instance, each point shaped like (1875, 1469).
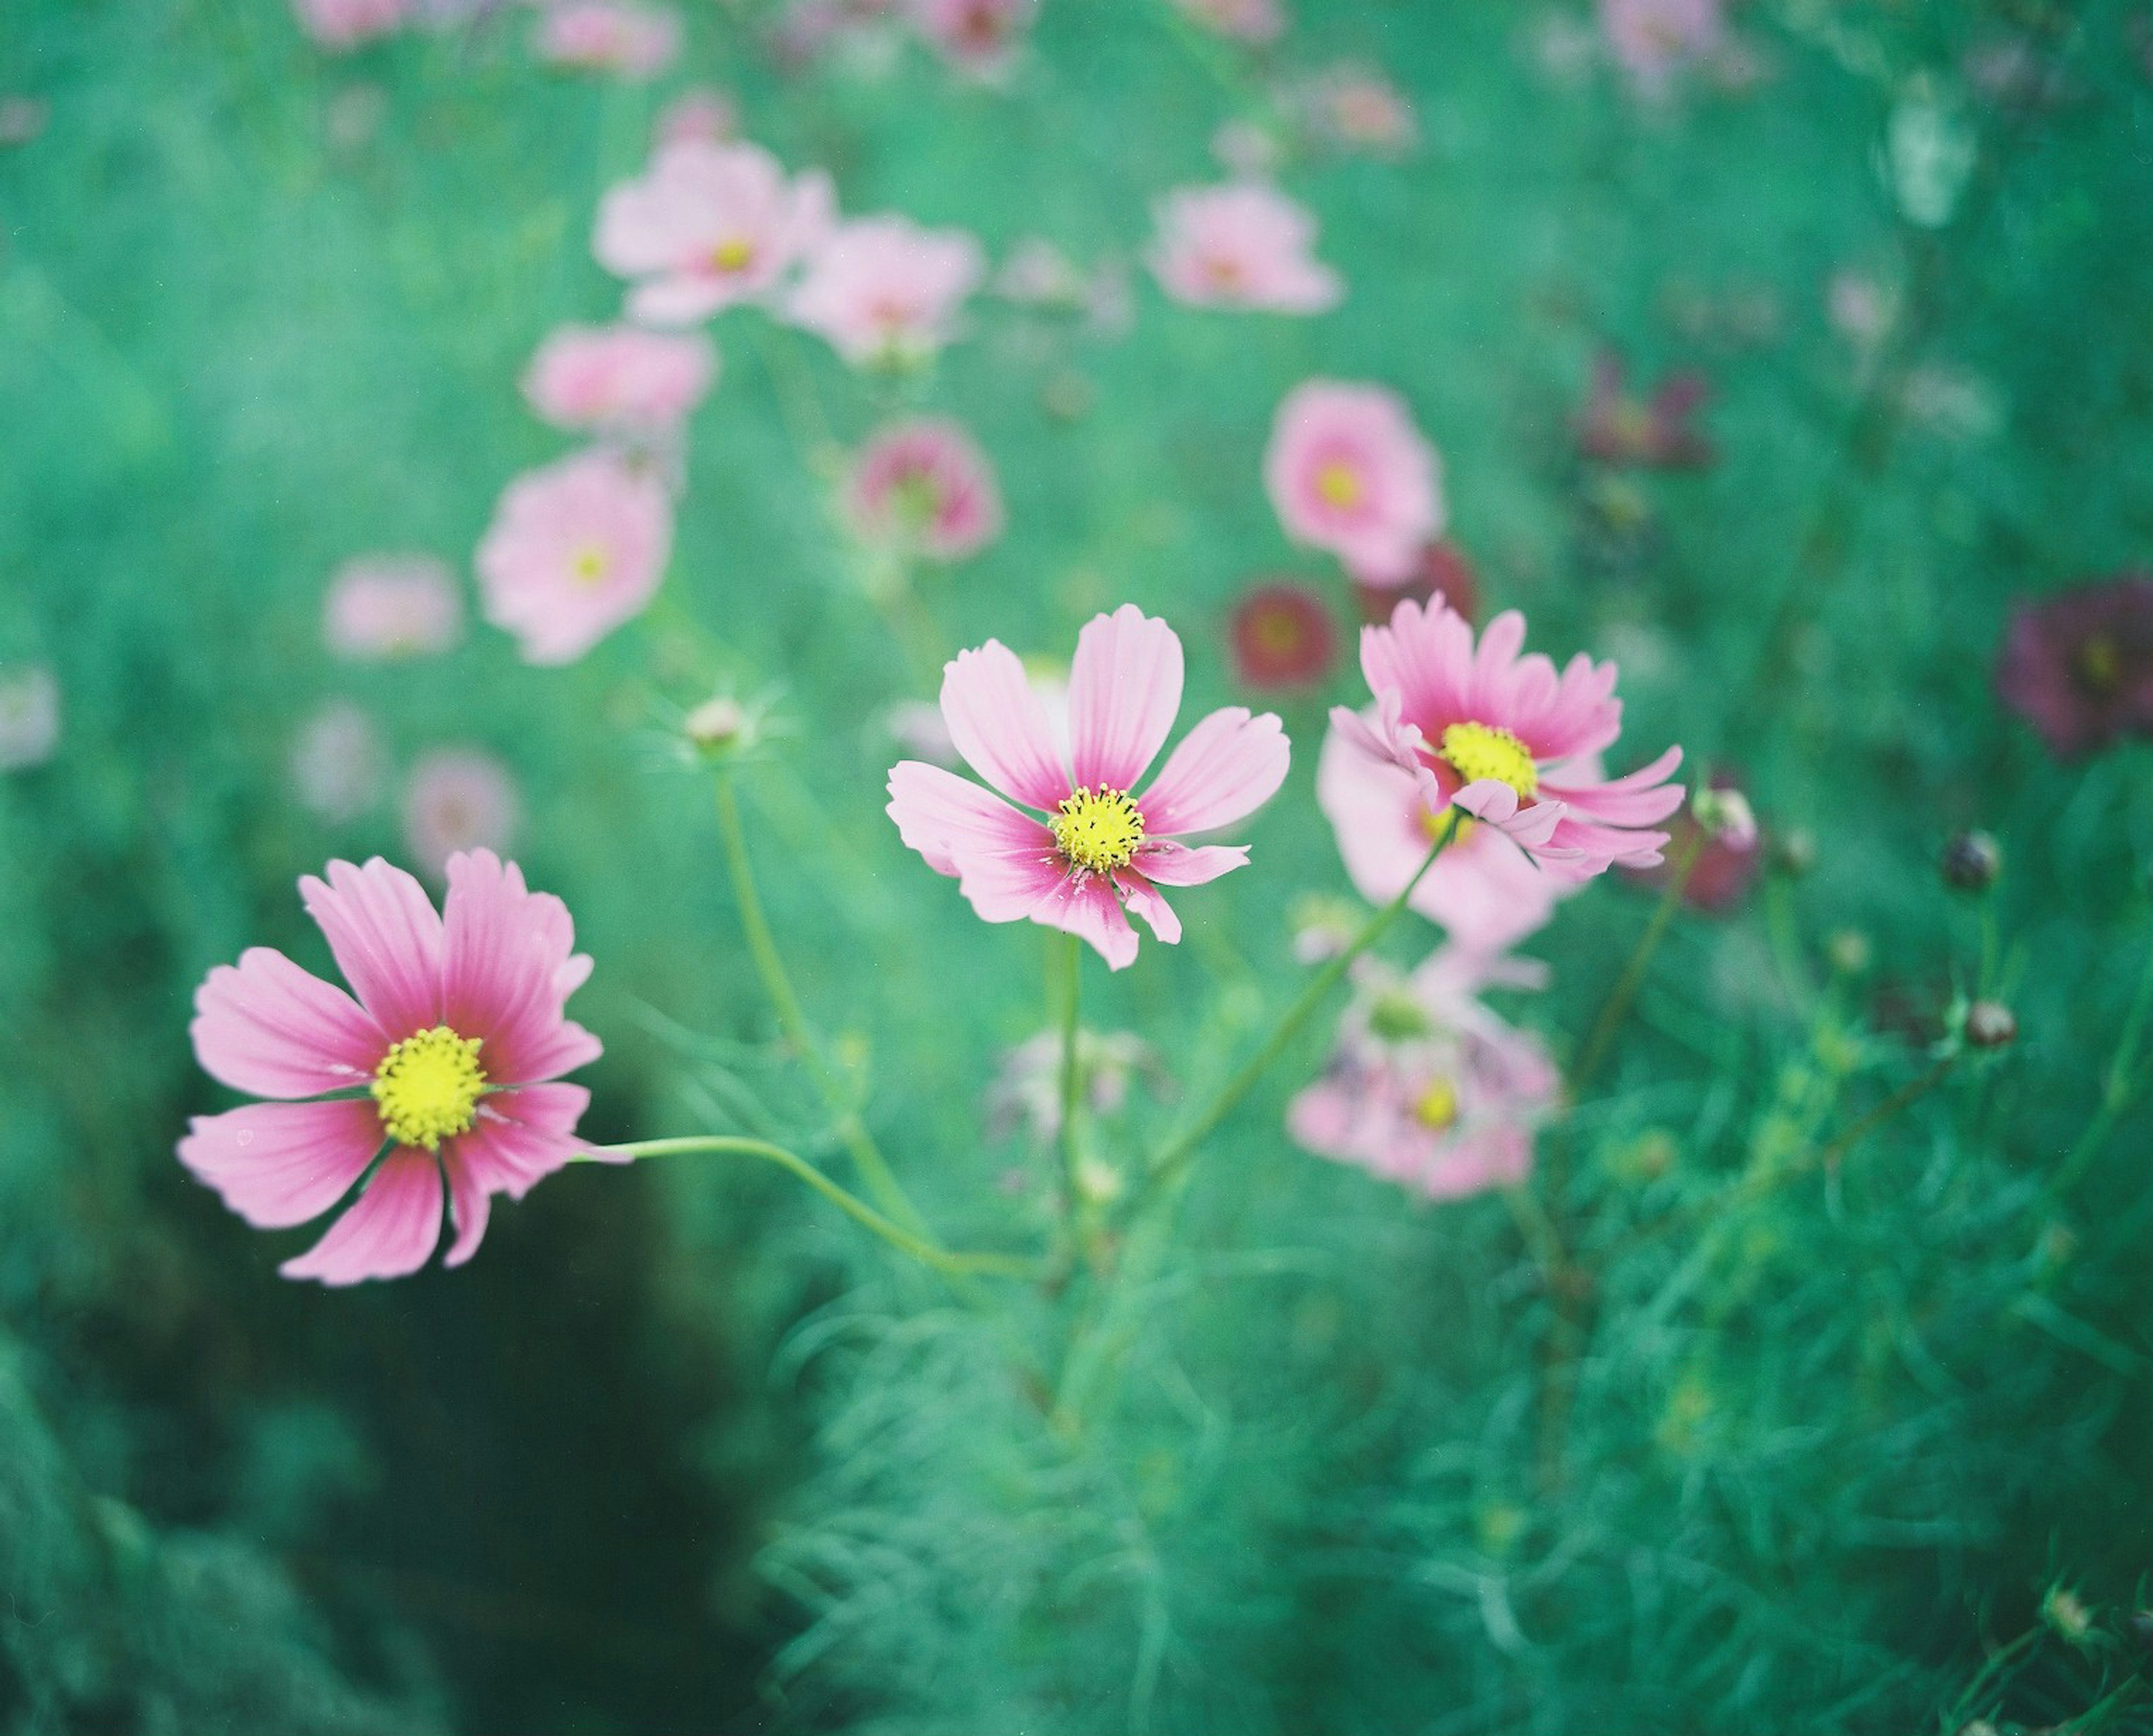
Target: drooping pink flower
(1082, 845)
(338, 762)
(708, 225)
(923, 487)
(979, 37)
(609, 36)
(1651, 40)
(704, 116)
(1508, 741)
(575, 548)
(884, 291)
(1347, 472)
(2078, 665)
(1658, 432)
(29, 717)
(457, 799)
(617, 379)
(454, 1048)
(380, 607)
(340, 24)
(1252, 21)
(1427, 1087)
(1282, 637)
(1243, 245)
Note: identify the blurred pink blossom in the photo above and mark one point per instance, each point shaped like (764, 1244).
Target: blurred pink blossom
(381, 608)
(1348, 472)
(704, 116)
(619, 377)
(575, 549)
(885, 292)
(976, 36)
(29, 717)
(708, 225)
(339, 762)
(609, 36)
(1255, 20)
(1651, 40)
(457, 799)
(1243, 245)
(1360, 109)
(1039, 274)
(1245, 148)
(923, 485)
(339, 24)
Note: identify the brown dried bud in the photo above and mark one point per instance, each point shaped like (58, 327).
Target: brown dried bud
(1972, 862)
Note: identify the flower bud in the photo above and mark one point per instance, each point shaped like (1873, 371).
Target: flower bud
(1725, 815)
(1850, 952)
(1972, 862)
(717, 725)
(1794, 852)
(1990, 1024)
(2066, 1612)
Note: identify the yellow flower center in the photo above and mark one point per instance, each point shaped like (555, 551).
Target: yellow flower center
(1340, 486)
(427, 1087)
(1476, 751)
(733, 254)
(1437, 1107)
(2100, 663)
(589, 564)
(1099, 830)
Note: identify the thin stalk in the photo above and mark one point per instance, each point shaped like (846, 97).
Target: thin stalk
(1616, 1007)
(1071, 951)
(2117, 1088)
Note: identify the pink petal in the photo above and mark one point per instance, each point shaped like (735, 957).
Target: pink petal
(520, 1137)
(470, 1206)
(390, 1231)
(387, 941)
(1225, 769)
(998, 724)
(1168, 863)
(267, 1026)
(1490, 799)
(1005, 859)
(1641, 798)
(1143, 899)
(1088, 909)
(507, 951)
(680, 298)
(278, 1165)
(1124, 690)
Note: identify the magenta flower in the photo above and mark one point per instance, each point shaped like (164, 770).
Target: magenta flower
(707, 226)
(1652, 38)
(1250, 21)
(977, 37)
(449, 1059)
(379, 608)
(1088, 846)
(1427, 1087)
(1347, 472)
(2078, 665)
(575, 548)
(619, 377)
(923, 485)
(609, 36)
(1655, 433)
(885, 293)
(1243, 245)
(340, 24)
(1508, 740)
(457, 799)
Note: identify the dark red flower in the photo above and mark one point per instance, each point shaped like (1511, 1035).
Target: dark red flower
(1654, 433)
(1726, 865)
(2078, 665)
(1441, 571)
(1282, 636)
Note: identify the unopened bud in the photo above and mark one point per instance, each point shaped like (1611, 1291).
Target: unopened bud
(2065, 1611)
(1848, 951)
(717, 725)
(1990, 1024)
(1794, 852)
(1725, 815)
(1972, 862)
(1098, 1184)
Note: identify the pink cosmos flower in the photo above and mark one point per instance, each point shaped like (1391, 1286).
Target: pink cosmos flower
(1254, 21)
(340, 24)
(1348, 472)
(619, 377)
(457, 799)
(1281, 636)
(707, 226)
(1243, 245)
(575, 548)
(1359, 108)
(704, 116)
(1652, 39)
(923, 485)
(975, 36)
(609, 36)
(884, 291)
(1427, 1087)
(379, 608)
(1088, 847)
(338, 762)
(1508, 741)
(449, 1058)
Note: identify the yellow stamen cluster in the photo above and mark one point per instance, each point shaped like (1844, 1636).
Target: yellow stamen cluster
(427, 1087)
(2101, 664)
(1436, 1106)
(590, 563)
(1340, 486)
(1098, 829)
(1476, 751)
(735, 253)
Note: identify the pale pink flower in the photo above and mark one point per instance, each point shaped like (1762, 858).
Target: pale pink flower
(885, 292)
(1256, 21)
(340, 24)
(1039, 274)
(380, 607)
(1508, 741)
(449, 1059)
(1357, 106)
(704, 116)
(457, 799)
(575, 548)
(976, 36)
(1026, 1090)
(1652, 38)
(619, 377)
(1243, 245)
(29, 717)
(338, 762)
(1087, 846)
(1427, 1087)
(707, 226)
(1348, 472)
(609, 36)
(1486, 893)
(923, 485)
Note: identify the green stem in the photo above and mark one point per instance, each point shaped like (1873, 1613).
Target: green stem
(928, 1252)
(2117, 1089)
(1617, 1007)
(1071, 961)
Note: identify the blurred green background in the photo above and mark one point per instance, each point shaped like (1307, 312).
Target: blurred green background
(678, 1452)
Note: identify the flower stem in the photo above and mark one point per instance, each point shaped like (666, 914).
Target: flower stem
(2117, 1088)
(927, 1252)
(1616, 1007)
(1071, 961)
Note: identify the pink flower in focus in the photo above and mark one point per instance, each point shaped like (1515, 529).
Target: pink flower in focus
(458, 798)
(1348, 472)
(609, 36)
(1656, 432)
(885, 292)
(1652, 39)
(1508, 741)
(1243, 245)
(701, 116)
(707, 226)
(457, 1039)
(1255, 20)
(575, 548)
(380, 607)
(1427, 1087)
(338, 762)
(1088, 847)
(976, 36)
(923, 485)
(619, 377)
(346, 23)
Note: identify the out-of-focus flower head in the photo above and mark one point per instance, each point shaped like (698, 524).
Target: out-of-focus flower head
(1038, 274)
(2078, 665)
(977, 37)
(609, 36)
(620, 379)
(385, 606)
(884, 291)
(339, 762)
(1720, 827)
(342, 24)
(29, 717)
(1244, 246)
(1862, 307)
(1026, 1090)
(22, 118)
(1249, 21)
(1352, 107)
(923, 487)
(1653, 40)
(1282, 637)
(704, 115)
(458, 798)
(1347, 472)
(1655, 433)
